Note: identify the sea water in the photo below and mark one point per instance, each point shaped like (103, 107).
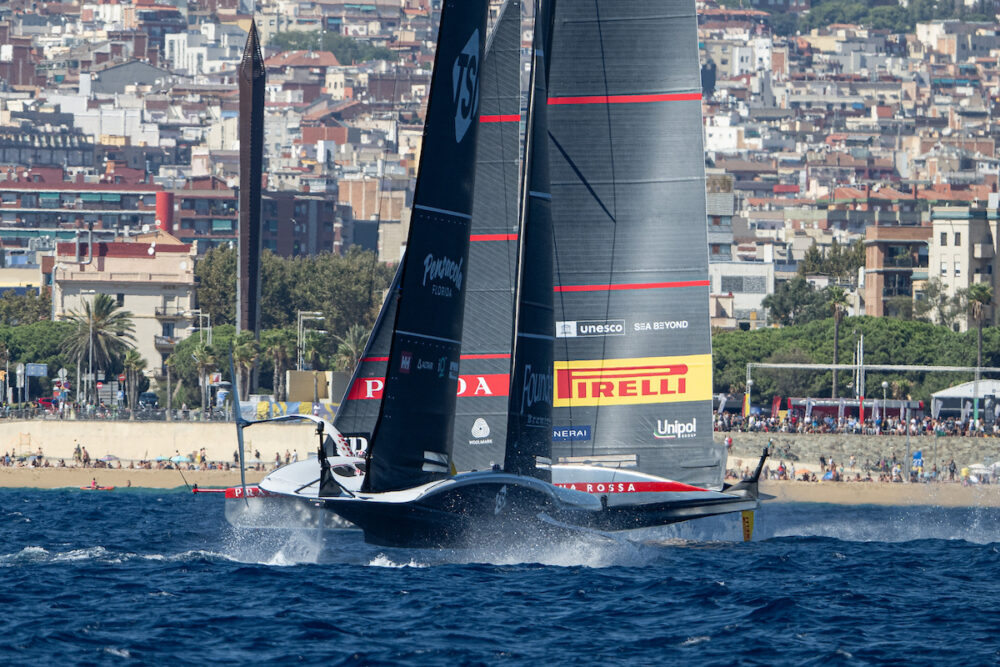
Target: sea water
(141, 576)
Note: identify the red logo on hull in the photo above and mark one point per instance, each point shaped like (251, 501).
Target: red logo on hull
(468, 385)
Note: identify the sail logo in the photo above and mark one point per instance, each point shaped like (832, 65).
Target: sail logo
(570, 433)
(442, 268)
(584, 328)
(481, 433)
(480, 429)
(646, 380)
(537, 389)
(465, 86)
(469, 386)
(405, 359)
(671, 430)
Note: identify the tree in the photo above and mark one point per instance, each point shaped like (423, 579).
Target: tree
(205, 361)
(16, 309)
(246, 351)
(795, 301)
(102, 332)
(216, 274)
(980, 296)
(838, 304)
(352, 346)
(347, 50)
(134, 365)
(279, 348)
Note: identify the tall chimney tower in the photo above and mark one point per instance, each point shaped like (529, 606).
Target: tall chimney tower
(252, 81)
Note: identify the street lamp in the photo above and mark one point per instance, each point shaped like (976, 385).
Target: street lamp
(300, 343)
(201, 327)
(885, 409)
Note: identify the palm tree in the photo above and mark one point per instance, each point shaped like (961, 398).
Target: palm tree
(205, 360)
(838, 303)
(351, 348)
(103, 334)
(134, 365)
(279, 344)
(980, 296)
(246, 351)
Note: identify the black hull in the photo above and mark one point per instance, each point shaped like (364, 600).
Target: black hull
(514, 510)
(480, 515)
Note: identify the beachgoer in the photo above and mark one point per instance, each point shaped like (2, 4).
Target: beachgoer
(93, 483)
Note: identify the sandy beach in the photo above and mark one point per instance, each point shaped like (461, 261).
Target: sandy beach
(55, 478)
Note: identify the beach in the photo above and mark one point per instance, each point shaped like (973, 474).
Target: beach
(55, 478)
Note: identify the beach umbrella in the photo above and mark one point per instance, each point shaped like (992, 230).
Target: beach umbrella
(180, 458)
(108, 458)
(161, 458)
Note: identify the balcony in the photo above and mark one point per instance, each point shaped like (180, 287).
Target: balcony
(165, 343)
(170, 312)
(982, 251)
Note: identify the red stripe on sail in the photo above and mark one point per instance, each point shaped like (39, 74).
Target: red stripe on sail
(375, 359)
(501, 118)
(631, 286)
(493, 237)
(625, 99)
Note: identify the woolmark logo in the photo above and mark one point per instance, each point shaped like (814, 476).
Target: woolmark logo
(443, 268)
(465, 86)
(670, 430)
(480, 429)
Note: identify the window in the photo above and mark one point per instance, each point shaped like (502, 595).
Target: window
(958, 268)
(944, 267)
(944, 238)
(168, 329)
(958, 238)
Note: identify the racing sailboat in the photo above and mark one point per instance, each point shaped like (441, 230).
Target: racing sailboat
(627, 306)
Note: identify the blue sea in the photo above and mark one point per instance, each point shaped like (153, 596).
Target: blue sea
(154, 577)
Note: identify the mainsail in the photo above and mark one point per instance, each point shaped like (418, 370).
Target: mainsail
(412, 440)
(480, 419)
(529, 425)
(633, 344)
(481, 411)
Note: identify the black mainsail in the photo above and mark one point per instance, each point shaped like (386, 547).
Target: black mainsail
(633, 344)
(529, 413)
(412, 440)
(481, 410)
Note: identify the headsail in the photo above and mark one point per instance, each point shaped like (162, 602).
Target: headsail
(529, 426)
(360, 405)
(633, 343)
(412, 441)
(481, 410)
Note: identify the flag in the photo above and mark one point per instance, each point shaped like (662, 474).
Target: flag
(861, 409)
(722, 403)
(840, 409)
(809, 408)
(875, 412)
(935, 408)
(746, 404)
(775, 406)
(966, 408)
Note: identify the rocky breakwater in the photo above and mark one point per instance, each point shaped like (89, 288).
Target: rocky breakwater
(808, 447)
